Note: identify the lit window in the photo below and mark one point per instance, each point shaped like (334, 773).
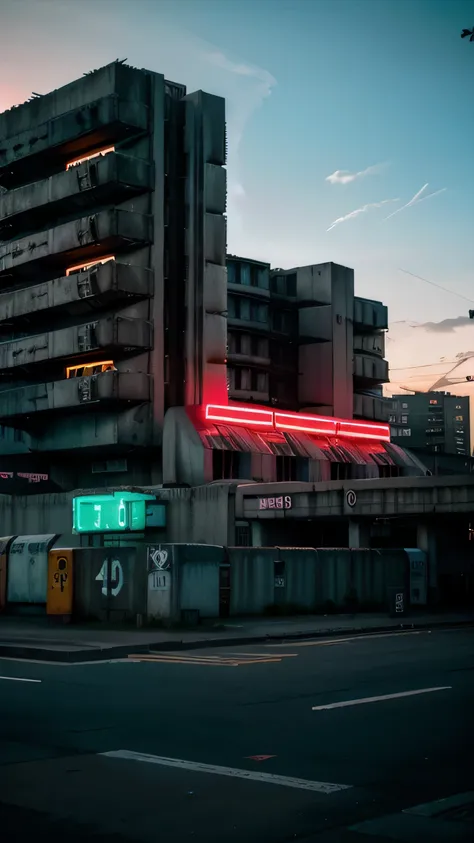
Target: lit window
(433, 401)
(404, 419)
(99, 152)
(85, 370)
(83, 266)
(404, 406)
(459, 418)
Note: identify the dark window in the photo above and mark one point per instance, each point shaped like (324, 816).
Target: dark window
(286, 469)
(225, 465)
(242, 535)
(340, 471)
(389, 471)
(291, 284)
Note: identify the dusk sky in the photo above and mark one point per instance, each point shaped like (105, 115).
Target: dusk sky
(340, 113)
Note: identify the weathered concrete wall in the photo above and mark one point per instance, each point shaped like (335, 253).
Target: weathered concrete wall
(30, 515)
(311, 579)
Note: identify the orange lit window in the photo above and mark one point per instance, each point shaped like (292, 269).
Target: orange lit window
(99, 152)
(85, 370)
(84, 266)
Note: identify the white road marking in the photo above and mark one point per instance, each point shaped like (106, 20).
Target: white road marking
(347, 703)
(314, 642)
(18, 679)
(196, 767)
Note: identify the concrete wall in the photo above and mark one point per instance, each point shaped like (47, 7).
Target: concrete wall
(109, 583)
(312, 579)
(30, 515)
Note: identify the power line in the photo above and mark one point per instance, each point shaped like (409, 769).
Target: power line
(433, 284)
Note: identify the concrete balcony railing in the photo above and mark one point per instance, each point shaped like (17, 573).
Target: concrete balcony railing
(248, 359)
(371, 407)
(98, 286)
(107, 105)
(82, 240)
(370, 343)
(110, 179)
(249, 290)
(109, 388)
(112, 334)
(252, 395)
(369, 315)
(370, 369)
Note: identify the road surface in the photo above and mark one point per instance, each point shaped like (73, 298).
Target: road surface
(348, 740)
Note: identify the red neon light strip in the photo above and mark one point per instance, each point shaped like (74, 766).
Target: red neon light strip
(316, 425)
(363, 430)
(250, 416)
(305, 424)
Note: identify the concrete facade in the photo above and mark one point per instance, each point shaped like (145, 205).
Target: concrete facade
(113, 289)
(300, 339)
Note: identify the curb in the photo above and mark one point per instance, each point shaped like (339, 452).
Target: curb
(122, 651)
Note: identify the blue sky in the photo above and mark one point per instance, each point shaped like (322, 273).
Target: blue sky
(312, 87)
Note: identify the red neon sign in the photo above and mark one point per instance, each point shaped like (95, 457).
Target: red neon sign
(279, 422)
(249, 416)
(305, 424)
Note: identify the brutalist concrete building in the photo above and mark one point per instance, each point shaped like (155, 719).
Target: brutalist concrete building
(112, 275)
(300, 339)
(113, 311)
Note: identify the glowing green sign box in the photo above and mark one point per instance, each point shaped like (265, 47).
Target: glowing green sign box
(114, 513)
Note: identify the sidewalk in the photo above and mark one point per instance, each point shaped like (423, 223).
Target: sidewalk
(37, 638)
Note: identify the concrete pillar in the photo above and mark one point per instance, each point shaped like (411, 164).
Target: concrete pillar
(359, 533)
(257, 534)
(426, 541)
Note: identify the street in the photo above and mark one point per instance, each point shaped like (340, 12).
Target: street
(323, 740)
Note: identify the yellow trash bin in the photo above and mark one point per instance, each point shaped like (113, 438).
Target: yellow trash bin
(60, 585)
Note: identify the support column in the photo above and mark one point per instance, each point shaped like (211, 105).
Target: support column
(359, 533)
(426, 541)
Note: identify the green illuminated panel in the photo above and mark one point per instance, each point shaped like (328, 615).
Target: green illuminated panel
(116, 513)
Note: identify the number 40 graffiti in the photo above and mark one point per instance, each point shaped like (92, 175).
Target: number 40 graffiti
(114, 586)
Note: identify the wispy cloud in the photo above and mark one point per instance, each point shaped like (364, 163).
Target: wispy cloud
(446, 326)
(417, 198)
(346, 177)
(359, 211)
(246, 87)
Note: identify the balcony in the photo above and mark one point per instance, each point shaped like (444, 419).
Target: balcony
(369, 315)
(83, 240)
(371, 407)
(80, 292)
(369, 369)
(103, 390)
(109, 179)
(251, 395)
(114, 335)
(248, 360)
(373, 343)
(249, 290)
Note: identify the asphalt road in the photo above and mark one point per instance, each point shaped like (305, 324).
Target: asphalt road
(168, 726)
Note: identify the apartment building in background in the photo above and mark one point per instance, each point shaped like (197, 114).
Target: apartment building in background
(432, 423)
(113, 280)
(300, 339)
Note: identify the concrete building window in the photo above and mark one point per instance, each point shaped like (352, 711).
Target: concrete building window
(286, 469)
(404, 420)
(231, 273)
(392, 418)
(406, 431)
(340, 471)
(459, 418)
(225, 465)
(291, 284)
(243, 379)
(405, 406)
(263, 279)
(84, 370)
(245, 274)
(242, 535)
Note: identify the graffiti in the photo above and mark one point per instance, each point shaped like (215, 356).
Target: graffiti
(158, 559)
(113, 585)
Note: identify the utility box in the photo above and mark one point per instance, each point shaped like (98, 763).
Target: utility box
(397, 602)
(60, 582)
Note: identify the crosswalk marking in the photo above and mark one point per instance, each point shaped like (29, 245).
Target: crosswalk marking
(231, 660)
